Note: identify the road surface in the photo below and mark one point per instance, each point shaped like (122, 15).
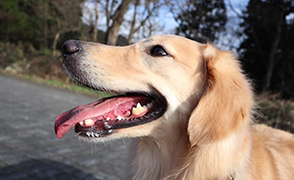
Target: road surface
(29, 148)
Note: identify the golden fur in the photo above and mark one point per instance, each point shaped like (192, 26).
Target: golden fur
(206, 132)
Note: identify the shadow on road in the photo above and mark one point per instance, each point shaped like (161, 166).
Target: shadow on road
(43, 169)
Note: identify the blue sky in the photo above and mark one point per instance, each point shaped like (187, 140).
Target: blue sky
(166, 16)
(169, 24)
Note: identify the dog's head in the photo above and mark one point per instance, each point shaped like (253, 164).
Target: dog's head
(161, 81)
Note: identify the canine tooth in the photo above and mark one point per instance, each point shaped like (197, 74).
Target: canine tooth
(139, 109)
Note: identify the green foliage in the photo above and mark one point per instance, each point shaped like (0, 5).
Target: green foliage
(45, 52)
(38, 21)
(275, 112)
(11, 53)
(15, 22)
(202, 20)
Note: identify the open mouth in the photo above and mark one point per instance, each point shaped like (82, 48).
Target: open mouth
(103, 117)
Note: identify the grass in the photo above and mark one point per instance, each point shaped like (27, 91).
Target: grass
(275, 112)
(71, 87)
(43, 66)
(76, 88)
(61, 84)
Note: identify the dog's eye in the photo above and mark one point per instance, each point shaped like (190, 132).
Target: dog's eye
(158, 51)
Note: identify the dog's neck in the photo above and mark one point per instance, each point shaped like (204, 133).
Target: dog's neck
(154, 156)
(158, 158)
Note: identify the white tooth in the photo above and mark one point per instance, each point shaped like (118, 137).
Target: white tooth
(119, 117)
(96, 135)
(106, 125)
(139, 109)
(149, 105)
(81, 123)
(88, 133)
(107, 119)
(88, 122)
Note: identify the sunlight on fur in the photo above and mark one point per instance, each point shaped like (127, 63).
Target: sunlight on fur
(205, 129)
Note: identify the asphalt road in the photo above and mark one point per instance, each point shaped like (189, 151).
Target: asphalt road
(29, 148)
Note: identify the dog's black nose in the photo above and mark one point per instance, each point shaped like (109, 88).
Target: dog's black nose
(70, 47)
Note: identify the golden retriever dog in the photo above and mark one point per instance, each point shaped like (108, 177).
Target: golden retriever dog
(188, 105)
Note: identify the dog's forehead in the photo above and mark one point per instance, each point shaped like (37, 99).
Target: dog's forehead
(165, 39)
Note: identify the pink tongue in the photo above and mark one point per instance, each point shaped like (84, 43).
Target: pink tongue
(97, 110)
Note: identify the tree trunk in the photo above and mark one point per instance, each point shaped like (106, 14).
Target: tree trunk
(117, 20)
(273, 51)
(132, 31)
(142, 23)
(56, 38)
(95, 31)
(45, 32)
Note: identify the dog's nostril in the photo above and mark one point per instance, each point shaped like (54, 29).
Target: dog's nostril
(70, 47)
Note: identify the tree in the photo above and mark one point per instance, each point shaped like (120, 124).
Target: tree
(115, 11)
(14, 21)
(65, 16)
(262, 51)
(115, 19)
(39, 22)
(152, 26)
(201, 20)
(95, 30)
(140, 18)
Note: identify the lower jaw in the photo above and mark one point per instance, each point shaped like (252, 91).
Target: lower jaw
(95, 134)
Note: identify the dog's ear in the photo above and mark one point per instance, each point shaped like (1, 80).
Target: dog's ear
(226, 102)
